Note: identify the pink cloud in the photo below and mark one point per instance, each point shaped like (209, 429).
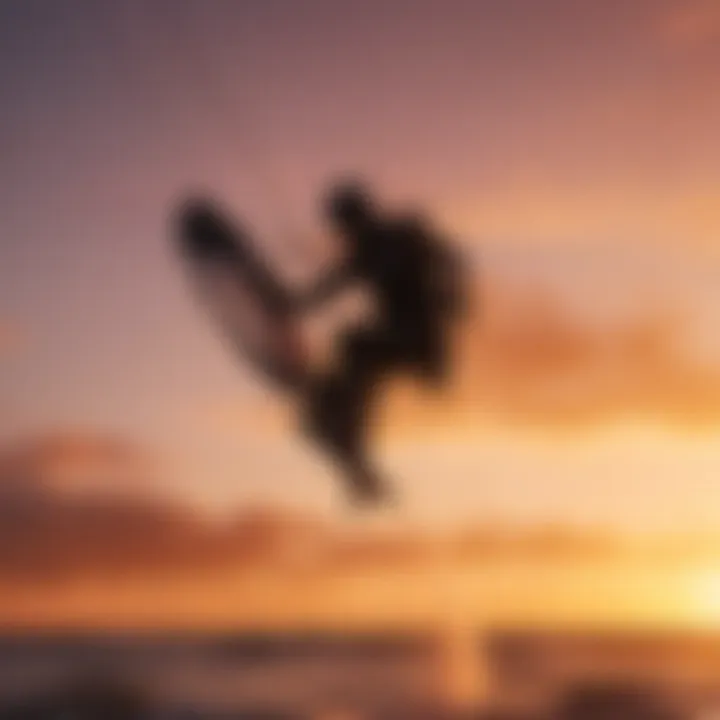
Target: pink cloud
(11, 338)
(690, 23)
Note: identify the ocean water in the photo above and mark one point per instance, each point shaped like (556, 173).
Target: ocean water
(221, 676)
(378, 676)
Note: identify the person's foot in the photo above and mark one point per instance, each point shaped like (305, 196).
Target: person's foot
(320, 412)
(326, 424)
(365, 486)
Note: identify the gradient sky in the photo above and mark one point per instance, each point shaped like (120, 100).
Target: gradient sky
(572, 142)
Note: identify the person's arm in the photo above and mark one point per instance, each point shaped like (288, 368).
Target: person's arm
(324, 289)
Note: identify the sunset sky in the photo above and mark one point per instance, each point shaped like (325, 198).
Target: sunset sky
(570, 146)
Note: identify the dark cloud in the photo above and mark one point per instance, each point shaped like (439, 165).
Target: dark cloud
(71, 505)
(66, 507)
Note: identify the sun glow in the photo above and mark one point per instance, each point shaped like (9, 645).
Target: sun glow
(705, 597)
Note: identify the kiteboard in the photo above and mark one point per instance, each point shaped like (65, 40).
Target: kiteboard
(245, 298)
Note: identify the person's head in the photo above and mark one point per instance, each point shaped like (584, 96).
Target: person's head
(349, 207)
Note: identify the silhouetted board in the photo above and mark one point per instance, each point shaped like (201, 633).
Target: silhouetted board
(243, 295)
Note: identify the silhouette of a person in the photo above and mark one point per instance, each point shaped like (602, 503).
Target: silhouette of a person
(416, 282)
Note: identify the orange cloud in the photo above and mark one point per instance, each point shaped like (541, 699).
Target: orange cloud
(48, 536)
(74, 461)
(531, 362)
(680, 214)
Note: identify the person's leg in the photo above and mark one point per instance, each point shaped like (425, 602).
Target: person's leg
(338, 409)
(330, 430)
